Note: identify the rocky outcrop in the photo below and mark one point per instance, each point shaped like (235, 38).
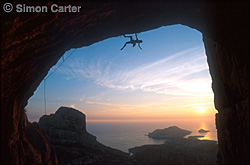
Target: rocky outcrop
(67, 125)
(170, 132)
(66, 130)
(31, 43)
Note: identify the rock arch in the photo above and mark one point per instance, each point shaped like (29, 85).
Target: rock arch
(33, 42)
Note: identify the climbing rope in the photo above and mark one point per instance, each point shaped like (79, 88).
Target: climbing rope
(46, 78)
(44, 95)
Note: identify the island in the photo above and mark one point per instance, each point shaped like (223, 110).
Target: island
(203, 131)
(170, 132)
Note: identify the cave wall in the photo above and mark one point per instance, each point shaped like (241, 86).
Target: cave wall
(33, 42)
(231, 98)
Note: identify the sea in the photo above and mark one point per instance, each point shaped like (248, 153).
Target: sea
(123, 135)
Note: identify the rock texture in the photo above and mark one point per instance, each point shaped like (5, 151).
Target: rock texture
(40, 146)
(31, 43)
(170, 132)
(231, 97)
(73, 145)
(67, 125)
(35, 145)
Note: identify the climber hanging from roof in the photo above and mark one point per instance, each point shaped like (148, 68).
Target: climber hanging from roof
(132, 41)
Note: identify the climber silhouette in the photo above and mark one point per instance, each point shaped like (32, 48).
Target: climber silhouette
(132, 41)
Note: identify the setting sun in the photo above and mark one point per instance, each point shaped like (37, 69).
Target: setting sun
(201, 110)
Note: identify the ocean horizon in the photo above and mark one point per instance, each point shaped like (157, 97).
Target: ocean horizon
(123, 135)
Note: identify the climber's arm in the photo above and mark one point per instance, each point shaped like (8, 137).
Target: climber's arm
(130, 37)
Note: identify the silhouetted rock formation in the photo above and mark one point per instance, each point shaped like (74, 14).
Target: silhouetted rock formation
(31, 43)
(203, 131)
(67, 125)
(35, 144)
(177, 151)
(170, 132)
(73, 144)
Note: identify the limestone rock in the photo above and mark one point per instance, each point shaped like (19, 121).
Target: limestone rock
(67, 125)
(73, 144)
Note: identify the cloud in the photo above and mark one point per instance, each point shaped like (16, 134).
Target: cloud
(122, 106)
(171, 75)
(103, 104)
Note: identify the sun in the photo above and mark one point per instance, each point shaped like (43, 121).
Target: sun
(201, 110)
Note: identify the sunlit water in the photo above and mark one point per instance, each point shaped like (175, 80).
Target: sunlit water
(125, 135)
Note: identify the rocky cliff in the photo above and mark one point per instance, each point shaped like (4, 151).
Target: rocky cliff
(31, 43)
(67, 125)
(67, 133)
